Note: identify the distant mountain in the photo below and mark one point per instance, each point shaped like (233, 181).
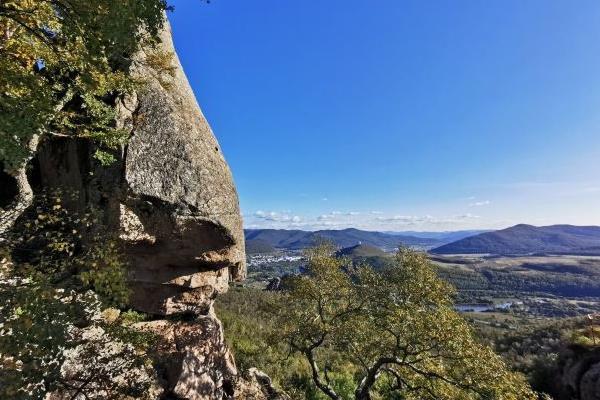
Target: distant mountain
(297, 239)
(528, 239)
(361, 251)
(255, 246)
(444, 237)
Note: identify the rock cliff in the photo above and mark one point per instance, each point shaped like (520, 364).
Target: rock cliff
(180, 216)
(182, 223)
(172, 200)
(578, 374)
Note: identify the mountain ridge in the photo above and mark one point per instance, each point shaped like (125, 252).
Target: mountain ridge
(299, 239)
(529, 239)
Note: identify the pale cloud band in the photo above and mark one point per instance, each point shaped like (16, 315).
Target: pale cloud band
(368, 220)
(480, 203)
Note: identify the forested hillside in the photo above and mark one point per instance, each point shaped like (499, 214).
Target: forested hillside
(297, 239)
(528, 239)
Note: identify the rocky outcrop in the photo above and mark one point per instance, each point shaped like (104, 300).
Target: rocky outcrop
(256, 385)
(578, 374)
(196, 364)
(183, 227)
(170, 194)
(180, 194)
(100, 366)
(172, 200)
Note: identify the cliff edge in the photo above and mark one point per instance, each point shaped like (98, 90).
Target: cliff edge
(171, 199)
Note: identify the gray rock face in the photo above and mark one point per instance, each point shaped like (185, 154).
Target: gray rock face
(182, 225)
(171, 198)
(181, 192)
(196, 363)
(579, 374)
(170, 194)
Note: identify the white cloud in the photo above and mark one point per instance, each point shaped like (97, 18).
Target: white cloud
(466, 216)
(591, 189)
(480, 203)
(405, 218)
(275, 216)
(424, 220)
(325, 217)
(338, 215)
(371, 220)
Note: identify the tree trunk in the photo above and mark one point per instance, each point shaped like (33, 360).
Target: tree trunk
(323, 386)
(25, 192)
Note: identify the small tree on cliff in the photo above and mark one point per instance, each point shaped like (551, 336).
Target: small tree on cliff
(65, 64)
(396, 327)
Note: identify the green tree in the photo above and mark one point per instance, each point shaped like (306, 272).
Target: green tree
(65, 64)
(396, 326)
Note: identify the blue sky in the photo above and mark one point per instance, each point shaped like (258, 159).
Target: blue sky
(401, 115)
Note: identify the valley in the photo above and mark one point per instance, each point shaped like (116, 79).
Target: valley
(213, 200)
(530, 287)
(531, 309)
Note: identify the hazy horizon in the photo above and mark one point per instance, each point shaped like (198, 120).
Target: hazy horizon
(407, 232)
(401, 116)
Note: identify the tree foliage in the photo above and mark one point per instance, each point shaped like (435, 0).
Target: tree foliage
(63, 64)
(396, 326)
(58, 271)
(67, 249)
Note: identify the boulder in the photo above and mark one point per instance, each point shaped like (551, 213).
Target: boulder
(578, 374)
(181, 195)
(195, 362)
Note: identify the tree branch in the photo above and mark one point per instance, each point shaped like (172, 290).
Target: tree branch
(325, 388)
